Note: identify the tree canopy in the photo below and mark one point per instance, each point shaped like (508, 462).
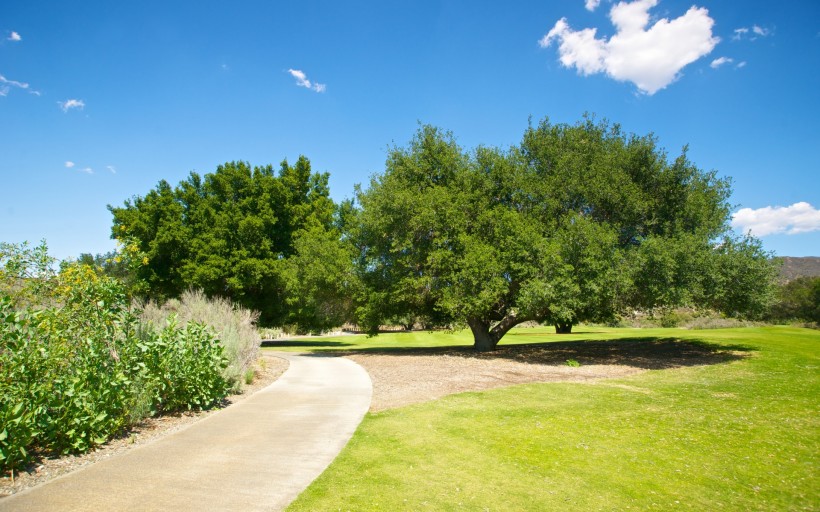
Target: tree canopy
(235, 233)
(577, 223)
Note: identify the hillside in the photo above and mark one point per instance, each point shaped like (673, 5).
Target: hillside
(793, 267)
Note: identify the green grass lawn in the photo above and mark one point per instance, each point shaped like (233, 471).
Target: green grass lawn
(441, 339)
(741, 435)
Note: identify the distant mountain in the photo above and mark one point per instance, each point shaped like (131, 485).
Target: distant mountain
(793, 268)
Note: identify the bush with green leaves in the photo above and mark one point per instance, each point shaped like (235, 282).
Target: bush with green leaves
(76, 366)
(234, 325)
(181, 367)
(798, 299)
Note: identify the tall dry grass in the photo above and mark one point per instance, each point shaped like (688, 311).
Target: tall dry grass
(234, 325)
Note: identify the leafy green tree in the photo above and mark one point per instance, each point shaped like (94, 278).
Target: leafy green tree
(799, 299)
(576, 224)
(229, 233)
(319, 280)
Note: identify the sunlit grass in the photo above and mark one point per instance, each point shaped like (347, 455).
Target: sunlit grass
(742, 435)
(441, 339)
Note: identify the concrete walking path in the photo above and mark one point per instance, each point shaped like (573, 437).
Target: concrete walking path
(258, 454)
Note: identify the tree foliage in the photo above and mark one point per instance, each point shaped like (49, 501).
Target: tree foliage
(231, 233)
(799, 299)
(577, 223)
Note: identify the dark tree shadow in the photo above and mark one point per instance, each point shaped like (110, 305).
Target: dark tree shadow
(646, 353)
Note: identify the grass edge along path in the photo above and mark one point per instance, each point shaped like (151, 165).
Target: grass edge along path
(742, 435)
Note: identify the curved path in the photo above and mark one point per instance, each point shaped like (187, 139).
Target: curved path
(258, 454)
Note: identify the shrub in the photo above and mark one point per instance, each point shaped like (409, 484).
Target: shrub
(799, 299)
(670, 319)
(234, 325)
(181, 368)
(76, 366)
(716, 322)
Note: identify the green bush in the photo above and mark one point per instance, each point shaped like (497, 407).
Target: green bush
(235, 326)
(76, 366)
(671, 319)
(21, 372)
(799, 299)
(181, 368)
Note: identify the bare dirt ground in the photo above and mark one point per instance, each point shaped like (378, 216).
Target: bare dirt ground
(45, 468)
(404, 377)
(413, 376)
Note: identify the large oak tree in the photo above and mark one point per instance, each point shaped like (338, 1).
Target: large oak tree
(577, 223)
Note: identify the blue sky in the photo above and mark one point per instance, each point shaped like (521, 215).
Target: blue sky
(101, 100)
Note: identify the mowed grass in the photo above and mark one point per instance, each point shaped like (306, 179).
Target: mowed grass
(741, 435)
(443, 339)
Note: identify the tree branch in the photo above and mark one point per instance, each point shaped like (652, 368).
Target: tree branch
(508, 322)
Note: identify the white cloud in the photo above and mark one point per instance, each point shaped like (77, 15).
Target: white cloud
(6, 85)
(111, 169)
(651, 58)
(721, 61)
(87, 170)
(751, 33)
(771, 220)
(763, 32)
(14, 36)
(740, 32)
(302, 81)
(69, 164)
(741, 64)
(591, 5)
(69, 104)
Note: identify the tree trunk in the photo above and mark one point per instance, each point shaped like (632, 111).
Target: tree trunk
(485, 338)
(482, 339)
(563, 328)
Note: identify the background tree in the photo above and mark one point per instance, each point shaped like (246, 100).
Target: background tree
(576, 224)
(798, 299)
(319, 280)
(229, 233)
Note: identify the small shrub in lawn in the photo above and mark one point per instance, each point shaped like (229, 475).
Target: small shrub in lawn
(573, 363)
(670, 319)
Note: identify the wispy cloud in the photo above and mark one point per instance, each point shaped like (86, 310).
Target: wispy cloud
(591, 5)
(762, 32)
(651, 58)
(69, 164)
(111, 169)
(14, 36)
(87, 170)
(752, 33)
(69, 104)
(771, 220)
(6, 86)
(302, 81)
(721, 61)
